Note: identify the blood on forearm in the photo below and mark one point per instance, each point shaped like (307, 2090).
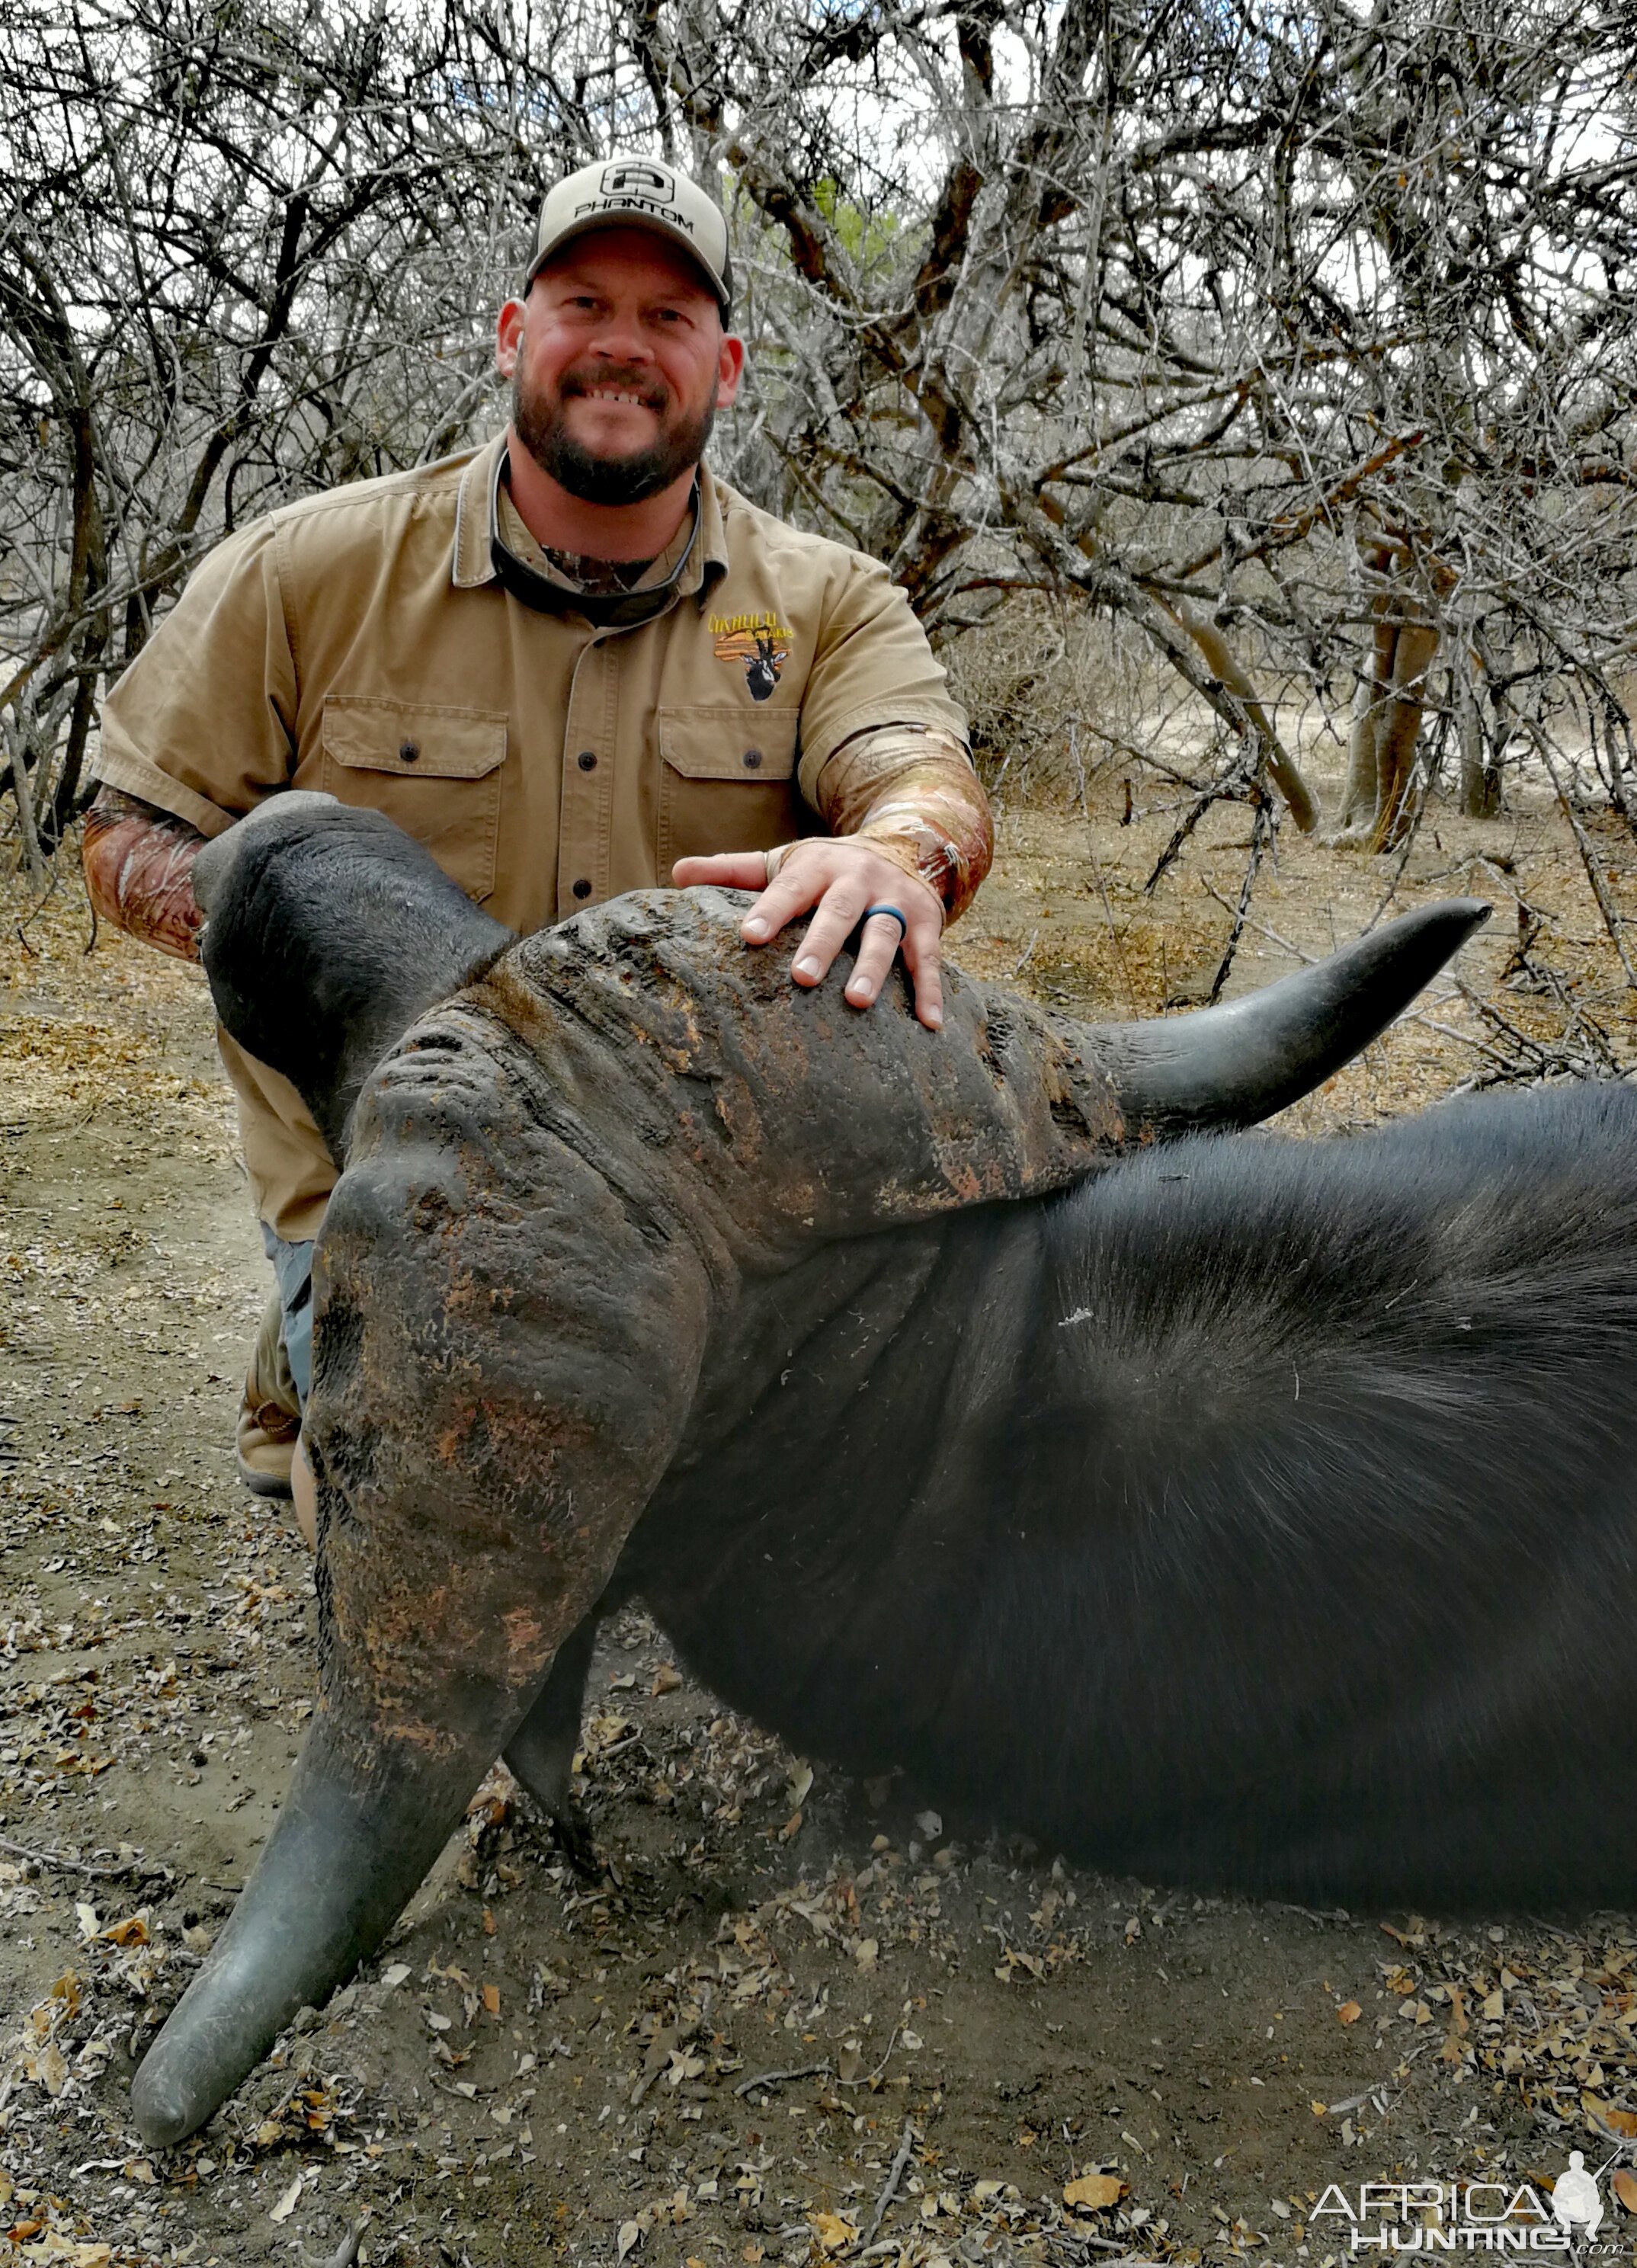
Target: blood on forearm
(138, 863)
(911, 793)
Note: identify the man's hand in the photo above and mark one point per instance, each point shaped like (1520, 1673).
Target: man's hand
(839, 876)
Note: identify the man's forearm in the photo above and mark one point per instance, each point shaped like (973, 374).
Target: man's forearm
(138, 863)
(911, 792)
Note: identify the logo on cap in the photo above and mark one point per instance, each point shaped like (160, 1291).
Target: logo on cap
(630, 177)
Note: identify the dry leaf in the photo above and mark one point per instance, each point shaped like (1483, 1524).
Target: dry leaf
(288, 2203)
(1625, 2187)
(1348, 2012)
(491, 1999)
(667, 1678)
(132, 1931)
(51, 2069)
(832, 2231)
(1094, 2192)
(628, 2238)
(1609, 2117)
(395, 1974)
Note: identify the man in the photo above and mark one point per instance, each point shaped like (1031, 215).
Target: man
(571, 663)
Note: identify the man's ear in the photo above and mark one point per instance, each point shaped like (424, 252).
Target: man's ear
(729, 370)
(509, 337)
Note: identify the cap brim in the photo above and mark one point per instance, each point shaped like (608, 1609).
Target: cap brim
(653, 225)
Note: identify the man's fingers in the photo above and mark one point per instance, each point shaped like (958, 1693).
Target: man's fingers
(920, 946)
(791, 891)
(729, 869)
(809, 882)
(834, 922)
(922, 957)
(878, 949)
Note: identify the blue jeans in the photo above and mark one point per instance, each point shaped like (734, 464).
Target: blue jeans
(292, 1264)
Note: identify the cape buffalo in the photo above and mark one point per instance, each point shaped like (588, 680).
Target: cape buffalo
(1230, 1510)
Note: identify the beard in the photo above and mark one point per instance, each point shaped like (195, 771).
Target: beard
(540, 426)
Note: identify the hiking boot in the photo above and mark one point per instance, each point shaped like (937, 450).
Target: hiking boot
(270, 1416)
(265, 1444)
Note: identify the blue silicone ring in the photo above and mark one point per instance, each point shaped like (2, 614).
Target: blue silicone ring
(901, 920)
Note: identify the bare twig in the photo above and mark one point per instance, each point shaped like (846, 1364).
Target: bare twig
(132, 1872)
(895, 2175)
(778, 2077)
(1261, 832)
(1611, 918)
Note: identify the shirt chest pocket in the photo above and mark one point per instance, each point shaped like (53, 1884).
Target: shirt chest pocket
(727, 781)
(435, 770)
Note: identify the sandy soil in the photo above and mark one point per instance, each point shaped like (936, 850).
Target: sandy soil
(788, 2019)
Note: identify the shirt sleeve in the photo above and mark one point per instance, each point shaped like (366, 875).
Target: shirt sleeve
(202, 722)
(911, 790)
(873, 665)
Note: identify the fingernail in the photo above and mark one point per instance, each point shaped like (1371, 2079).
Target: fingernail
(807, 969)
(856, 992)
(755, 929)
(935, 1018)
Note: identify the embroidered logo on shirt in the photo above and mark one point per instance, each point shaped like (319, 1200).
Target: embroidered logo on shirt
(759, 642)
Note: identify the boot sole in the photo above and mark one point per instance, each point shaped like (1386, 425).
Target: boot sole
(268, 1485)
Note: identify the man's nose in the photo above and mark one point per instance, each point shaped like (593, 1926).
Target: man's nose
(621, 338)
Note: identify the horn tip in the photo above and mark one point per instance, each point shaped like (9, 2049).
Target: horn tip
(162, 2110)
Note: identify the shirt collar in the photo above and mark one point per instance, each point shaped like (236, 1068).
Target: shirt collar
(473, 562)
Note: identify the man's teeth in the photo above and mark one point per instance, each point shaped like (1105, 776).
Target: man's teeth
(608, 393)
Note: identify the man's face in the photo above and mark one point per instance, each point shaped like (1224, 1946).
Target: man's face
(618, 364)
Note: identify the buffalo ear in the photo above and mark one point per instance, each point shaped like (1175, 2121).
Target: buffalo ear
(328, 931)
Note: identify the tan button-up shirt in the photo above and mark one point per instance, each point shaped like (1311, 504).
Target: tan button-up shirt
(361, 642)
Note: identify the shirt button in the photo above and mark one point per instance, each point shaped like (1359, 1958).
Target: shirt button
(582, 889)
(586, 760)
(753, 760)
(408, 750)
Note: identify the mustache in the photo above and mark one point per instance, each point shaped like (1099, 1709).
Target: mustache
(649, 392)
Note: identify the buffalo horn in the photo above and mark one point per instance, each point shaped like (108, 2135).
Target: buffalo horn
(1237, 1065)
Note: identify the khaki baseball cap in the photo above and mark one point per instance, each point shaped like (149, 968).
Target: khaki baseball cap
(637, 193)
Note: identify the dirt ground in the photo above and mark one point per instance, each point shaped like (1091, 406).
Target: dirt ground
(787, 2019)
